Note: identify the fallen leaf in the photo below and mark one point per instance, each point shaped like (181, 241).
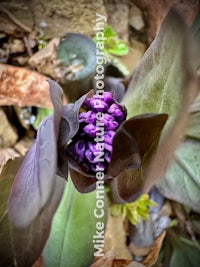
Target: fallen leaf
(152, 256)
(8, 137)
(121, 263)
(23, 87)
(109, 261)
(5, 155)
(46, 59)
(105, 261)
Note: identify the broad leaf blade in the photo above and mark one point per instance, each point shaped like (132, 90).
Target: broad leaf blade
(35, 180)
(157, 82)
(166, 81)
(21, 247)
(181, 181)
(133, 146)
(71, 240)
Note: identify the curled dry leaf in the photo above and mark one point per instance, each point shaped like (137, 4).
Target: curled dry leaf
(105, 261)
(46, 59)
(109, 261)
(152, 257)
(9, 137)
(5, 155)
(22, 87)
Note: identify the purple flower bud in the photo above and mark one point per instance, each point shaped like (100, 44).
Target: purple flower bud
(88, 141)
(107, 156)
(108, 147)
(90, 129)
(116, 111)
(97, 104)
(108, 137)
(79, 149)
(87, 117)
(93, 147)
(108, 98)
(89, 155)
(109, 122)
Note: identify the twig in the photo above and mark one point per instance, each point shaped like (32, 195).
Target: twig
(28, 47)
(15, 20)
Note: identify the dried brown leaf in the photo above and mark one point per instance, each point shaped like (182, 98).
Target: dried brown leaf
(152, 257)
(121, 263)
(135, 264)
(19, 149)
(19, 86)
(23, 145)
(105, 261)
(46, 54)
(8, 136)
(139, 251)
(5, 155)
(108, 261)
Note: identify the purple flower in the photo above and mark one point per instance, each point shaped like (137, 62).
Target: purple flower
(93, 121)
(116, 112)
(84, 138)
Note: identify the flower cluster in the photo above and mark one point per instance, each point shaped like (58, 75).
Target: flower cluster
(99, 118)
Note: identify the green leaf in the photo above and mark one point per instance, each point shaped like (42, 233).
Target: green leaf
(182, 180)
(184, 252)
(113, 45)
(165, 82)
(157, 82)
(41, 114)
(109, 32)
(118, 49)
(71, 239)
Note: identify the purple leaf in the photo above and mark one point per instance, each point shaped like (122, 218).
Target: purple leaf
(23, 246)
(69, 126)
(35, 180)
(133, 146)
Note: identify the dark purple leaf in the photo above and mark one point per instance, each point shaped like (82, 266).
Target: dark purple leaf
(116, 86)
(133, 140)
(21, 247)
(83, 184)
(35, 180)
(133, 146)
(69, 126)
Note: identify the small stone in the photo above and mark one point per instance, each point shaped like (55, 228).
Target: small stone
(136, 18)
